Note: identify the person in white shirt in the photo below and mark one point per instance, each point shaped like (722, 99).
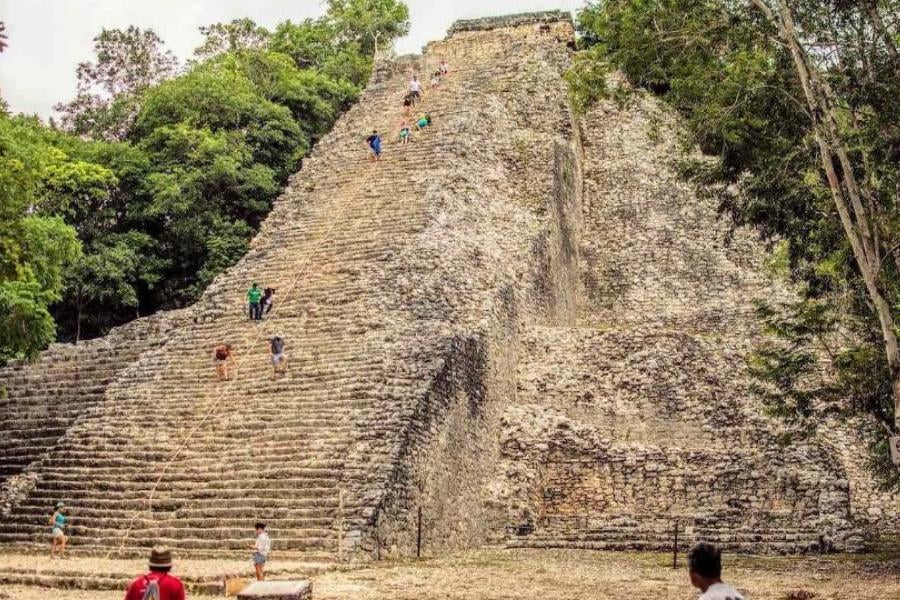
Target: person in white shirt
(705, 570)
(261, 551)
(415, 88)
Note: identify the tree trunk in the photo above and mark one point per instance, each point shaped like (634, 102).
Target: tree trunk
(854, 218)
(881, 29)
(78, 324)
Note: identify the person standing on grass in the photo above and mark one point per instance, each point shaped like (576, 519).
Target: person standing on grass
(254, 295)
(58, 531)
(157, 584)
(261, 550)
(705, 571)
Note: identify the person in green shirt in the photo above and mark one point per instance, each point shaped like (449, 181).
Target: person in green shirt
(254, 295)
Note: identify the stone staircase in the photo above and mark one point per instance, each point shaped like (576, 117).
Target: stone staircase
(387, 315)
(32, 419)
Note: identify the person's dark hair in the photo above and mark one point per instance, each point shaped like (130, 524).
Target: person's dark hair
(260, 525)
(160, 569)
(705, 560)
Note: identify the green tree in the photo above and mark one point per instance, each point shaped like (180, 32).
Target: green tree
(109, 92)
(36, 250)
(238, 35)
(171, 173)
(370, 23)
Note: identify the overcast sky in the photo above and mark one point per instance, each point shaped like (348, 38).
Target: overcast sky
(48, 38)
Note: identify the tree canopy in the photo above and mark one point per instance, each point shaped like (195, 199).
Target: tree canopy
(161, 173)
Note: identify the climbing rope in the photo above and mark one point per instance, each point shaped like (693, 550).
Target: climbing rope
(216, 400)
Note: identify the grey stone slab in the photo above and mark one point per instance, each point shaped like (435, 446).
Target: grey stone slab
(277, 590)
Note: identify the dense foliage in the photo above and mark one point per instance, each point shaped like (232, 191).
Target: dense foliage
(795, 105)
(160, 173)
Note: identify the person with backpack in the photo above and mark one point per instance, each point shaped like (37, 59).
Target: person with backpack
(254, 295)
(58, 530)
(158, 584)
(276, 347)
(222, 355)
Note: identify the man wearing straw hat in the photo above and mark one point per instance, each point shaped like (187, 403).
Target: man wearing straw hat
(157, 584)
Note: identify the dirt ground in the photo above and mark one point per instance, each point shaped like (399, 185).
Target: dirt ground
(571, 575)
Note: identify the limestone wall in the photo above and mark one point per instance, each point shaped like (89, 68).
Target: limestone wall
(641, 416)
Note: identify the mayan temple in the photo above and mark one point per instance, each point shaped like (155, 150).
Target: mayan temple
(522, 324)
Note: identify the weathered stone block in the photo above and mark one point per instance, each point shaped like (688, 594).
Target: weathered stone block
(277, 590)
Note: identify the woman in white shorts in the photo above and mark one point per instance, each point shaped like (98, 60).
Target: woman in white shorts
(58, 530)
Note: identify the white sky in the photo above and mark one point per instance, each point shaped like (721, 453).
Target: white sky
(48, 38)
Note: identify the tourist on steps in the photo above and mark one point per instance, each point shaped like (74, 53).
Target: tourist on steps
(405, 133)
(222, 356)
(435, 80)
(261, 550)
(423, 121)
(157, 584)
(408, 102)
(444, 67)
(279, 358)
(268, 298)
(415, 89)
(705, 570)
(254, 295)
(58, 530)
(373, 143)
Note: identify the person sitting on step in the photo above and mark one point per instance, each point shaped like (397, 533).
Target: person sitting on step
(58, 530)
(435, 80)
(405, 132)
(373, 143)
(261, 550)
(276, 348)
(705, 571)
(158, 584)
(444, 67)
(222, 356)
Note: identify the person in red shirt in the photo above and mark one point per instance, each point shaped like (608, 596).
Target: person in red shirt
(157, 584)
